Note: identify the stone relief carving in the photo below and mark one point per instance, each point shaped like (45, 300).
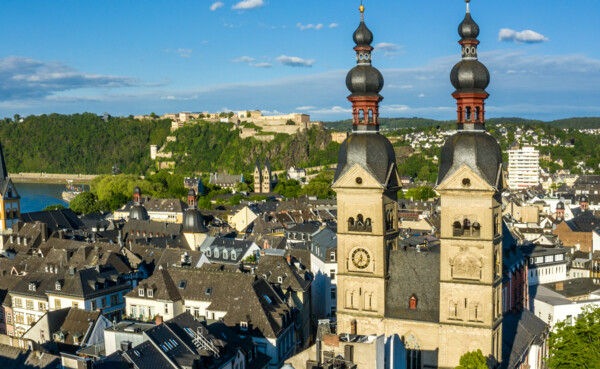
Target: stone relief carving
(466, 266)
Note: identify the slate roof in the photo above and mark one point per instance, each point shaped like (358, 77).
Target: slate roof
(55, 219)
(77, 322)
(574, 287)
(415, 273)
(519, 332)
(16, 358)
(162, 286)
(158, 205)
(243, 297)
(240, 247)
(279, 272)
(324, 242)
(90, 282)
(149, 228)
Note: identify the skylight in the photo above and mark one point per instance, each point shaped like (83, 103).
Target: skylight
(182, 284)
(268, 299)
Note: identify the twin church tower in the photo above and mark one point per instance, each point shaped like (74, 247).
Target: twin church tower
(445, 300)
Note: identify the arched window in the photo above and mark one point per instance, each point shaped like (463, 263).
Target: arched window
(457, 229)
(359, 220)
(476, 229)
(362, 114)
(412, 303)
(478, 113)
(468, 114)
(368, 222)
(371, 116)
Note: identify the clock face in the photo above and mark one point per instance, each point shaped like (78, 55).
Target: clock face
(361, 258)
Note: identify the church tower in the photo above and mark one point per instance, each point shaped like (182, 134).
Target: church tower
(366, 183)
(257, 177)
(10, 201)
(266, 177)
(470, 183)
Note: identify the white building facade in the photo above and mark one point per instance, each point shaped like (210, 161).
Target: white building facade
(523, 167)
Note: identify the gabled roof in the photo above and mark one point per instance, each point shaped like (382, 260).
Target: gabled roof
(76, 324)
(55, 219)
(519, 332)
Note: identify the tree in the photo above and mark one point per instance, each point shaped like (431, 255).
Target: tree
(84, 203)
(54, 207)
(577, 345)
(153, 115)
(241, 187)
(320, 186)
(288, 189)
(473, 360)
(290, 123)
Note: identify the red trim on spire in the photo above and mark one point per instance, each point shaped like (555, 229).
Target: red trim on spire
(470, 107)
(365, 110)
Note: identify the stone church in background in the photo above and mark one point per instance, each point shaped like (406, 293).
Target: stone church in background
(264, 181)
(445, 300)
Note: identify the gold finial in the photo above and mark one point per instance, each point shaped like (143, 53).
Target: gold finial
(362, 11)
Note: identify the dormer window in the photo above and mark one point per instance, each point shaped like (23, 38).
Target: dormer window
(412, 302)
(244, 326)
(150, 293)
(141, 292)
(233, 255)
(32, 287)
(57, 286)
(280, 279)
(225, 256)
(216, 253)
(208, 252)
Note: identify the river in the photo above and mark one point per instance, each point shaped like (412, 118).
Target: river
(37, 196)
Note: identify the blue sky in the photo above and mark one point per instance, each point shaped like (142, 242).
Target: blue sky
(133, 57)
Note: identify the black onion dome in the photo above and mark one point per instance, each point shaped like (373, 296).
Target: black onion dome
(138, 212)
(193, 222)
(137, 191)
(363, 35)
(475, 149)
(470, 76)
(560, 205)
(364, 79)
(373, 152)
(583, 198)
(468, 29)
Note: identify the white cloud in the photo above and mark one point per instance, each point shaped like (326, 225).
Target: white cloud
(526, 36)
(179, 98)
(25, 78)
(331, 110)
(244, 59)
(301, 108)
(421, 95)
(184, 53)
(261, 65)
(216, 5)
(389, 49)
(309, 26)
(294, 61)
(250, 61)
(248, 4)
(333, 25)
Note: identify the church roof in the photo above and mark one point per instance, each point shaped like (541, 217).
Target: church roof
(414, 272)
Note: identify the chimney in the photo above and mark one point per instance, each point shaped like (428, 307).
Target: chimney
(158, 320)
(289, 259)
(44, 231)
(353, 327)
(560, 286)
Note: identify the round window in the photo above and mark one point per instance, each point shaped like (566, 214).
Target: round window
(358, 180)
(466, 182)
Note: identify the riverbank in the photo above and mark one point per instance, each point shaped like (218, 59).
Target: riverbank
(51, 178)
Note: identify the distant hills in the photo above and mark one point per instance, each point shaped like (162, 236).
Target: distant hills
(399, 123)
